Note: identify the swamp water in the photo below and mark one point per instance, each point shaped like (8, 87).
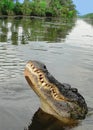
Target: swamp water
(67, 50)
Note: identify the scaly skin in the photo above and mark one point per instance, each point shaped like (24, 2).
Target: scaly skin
(57, 99)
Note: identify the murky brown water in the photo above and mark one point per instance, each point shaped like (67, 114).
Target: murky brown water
(66, 49)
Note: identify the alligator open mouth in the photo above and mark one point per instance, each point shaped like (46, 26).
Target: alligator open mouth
(58, 99)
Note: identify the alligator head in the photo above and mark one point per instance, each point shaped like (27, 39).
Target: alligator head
(60, 100)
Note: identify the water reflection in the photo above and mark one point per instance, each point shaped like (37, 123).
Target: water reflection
(21, 31)
(44, 121)
(71, 62)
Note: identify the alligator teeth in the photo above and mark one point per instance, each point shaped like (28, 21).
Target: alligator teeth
(51, 89)
(35, 69)
(32, 66)
(42, 81)
(54, 93)
(56, 96)
(40, 78)
(38, 71)
(43, 84)
(40, 75)
(47, 85)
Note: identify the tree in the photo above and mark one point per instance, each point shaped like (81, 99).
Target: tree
(56, 8)
(38, 7)
(18, 8)
(7, 7)
(26, 7)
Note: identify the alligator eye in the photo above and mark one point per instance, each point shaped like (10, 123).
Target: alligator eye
(74, 90)
(44, 67)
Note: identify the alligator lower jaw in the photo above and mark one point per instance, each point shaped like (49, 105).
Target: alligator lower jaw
(65, 120)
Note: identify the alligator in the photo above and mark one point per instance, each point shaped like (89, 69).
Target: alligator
(57, 99)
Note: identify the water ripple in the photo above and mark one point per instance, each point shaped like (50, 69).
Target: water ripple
(70, 61)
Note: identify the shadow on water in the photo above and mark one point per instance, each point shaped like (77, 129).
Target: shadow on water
(44, 121)
(21, 31)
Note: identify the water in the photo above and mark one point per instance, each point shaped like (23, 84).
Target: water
(67, 50)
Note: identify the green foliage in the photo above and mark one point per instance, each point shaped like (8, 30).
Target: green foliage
(38, 8)
(90, 15)
(6, 7)
(55, 8)
(17, 8)
(26, 7)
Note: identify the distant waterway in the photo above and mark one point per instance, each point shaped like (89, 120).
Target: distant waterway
(66, 47)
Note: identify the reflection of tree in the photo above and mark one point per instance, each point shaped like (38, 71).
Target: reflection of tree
(14, 29)
(14, 38)
(3, 31)
(3, 38)
(44, 121)
(24, 30)
(56, 33)
(42, 30)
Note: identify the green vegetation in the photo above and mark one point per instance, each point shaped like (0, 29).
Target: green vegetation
(90, 15)
(54, 8)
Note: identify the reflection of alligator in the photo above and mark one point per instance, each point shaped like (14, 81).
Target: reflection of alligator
(44, 121)
(59, 100)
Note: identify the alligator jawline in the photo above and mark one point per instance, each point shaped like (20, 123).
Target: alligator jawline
(48, 109)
